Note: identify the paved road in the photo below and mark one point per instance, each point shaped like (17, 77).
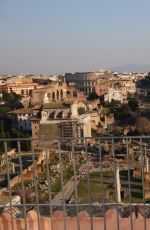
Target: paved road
(68, 188)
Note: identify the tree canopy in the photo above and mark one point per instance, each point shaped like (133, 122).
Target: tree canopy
(92, 96)
(10, 97)
(6, 131)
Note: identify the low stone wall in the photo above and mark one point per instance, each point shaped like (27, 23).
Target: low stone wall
(57, 222)
(27, 174)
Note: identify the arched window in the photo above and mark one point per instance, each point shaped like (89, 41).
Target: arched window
(22, 92)
(68, 94)
(30, 92)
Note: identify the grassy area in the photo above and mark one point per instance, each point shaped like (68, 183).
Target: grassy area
(95, 192)
(97, 189)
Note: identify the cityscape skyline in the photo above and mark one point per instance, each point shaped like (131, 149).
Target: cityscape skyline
(59, 37)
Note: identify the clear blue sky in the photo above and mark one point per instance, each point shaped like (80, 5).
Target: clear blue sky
(48, 36)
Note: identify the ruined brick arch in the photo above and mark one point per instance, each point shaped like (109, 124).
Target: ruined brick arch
(52, 115)
(59, 114)
(61, 94)
(53, 95)
(57, 95)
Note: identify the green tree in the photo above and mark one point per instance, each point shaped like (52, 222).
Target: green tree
(10, 97)
(92, 96)
(133, 104)
(4, 109)
(2, 136)
(123, 113)
(25, 145)
(112, 104)
(2, 132)
(134, 133)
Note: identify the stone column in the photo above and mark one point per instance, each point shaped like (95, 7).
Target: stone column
(146, 161)
(13, 167)
(145, 154)
(118, 184)
(71, 156)
(74, 110)
(147, 164)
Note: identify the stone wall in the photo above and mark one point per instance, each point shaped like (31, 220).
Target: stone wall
(29, 173)
(73, 223)
(56, 92)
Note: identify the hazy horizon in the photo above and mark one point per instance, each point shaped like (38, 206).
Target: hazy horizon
(69, 36)
(122, 69)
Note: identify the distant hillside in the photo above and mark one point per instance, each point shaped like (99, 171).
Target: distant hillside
(131, 68)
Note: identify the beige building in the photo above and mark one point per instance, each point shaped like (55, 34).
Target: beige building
(114, 94)
(21, 118)
(62, 120)
(21, 85)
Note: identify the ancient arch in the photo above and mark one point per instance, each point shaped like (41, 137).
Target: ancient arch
(59, 115)
(61, 94)
(52, 115)
(57, 95)
(53, 95)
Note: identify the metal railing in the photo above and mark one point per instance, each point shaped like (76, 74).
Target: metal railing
(75, 174)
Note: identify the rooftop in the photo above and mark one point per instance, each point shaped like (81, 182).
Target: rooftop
(21, 111)
(57, 105)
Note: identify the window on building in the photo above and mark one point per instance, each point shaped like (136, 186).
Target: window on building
(22, 92)
(68, 94)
